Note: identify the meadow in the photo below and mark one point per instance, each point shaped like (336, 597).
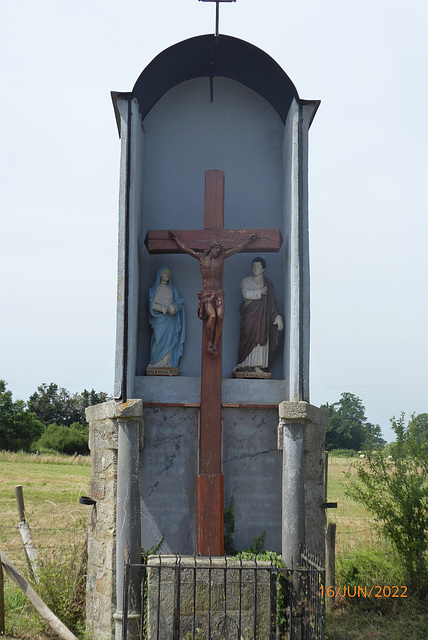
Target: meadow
(52, 486)
(354, 527)
(365, 559)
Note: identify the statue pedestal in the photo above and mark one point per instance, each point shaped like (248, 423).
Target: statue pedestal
(259, 375)
(162, 371)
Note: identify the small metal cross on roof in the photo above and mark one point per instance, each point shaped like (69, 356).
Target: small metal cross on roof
(217, 12)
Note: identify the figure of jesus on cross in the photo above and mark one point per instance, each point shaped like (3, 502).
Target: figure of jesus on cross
(211, 298)
(211, 246)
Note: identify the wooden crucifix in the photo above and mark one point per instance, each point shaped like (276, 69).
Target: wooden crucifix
(211, 246)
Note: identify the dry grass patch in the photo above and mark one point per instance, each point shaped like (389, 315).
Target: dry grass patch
(52, 486)
(354, 527)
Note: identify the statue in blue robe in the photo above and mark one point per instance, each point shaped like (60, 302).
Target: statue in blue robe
(167, 321)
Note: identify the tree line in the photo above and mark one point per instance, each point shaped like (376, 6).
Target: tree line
(52, 419)
(348, 427)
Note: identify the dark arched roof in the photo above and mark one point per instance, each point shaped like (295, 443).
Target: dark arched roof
(223, 56)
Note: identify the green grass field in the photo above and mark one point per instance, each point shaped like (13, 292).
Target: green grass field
(52, 486)
(354, 527)
(364, 558)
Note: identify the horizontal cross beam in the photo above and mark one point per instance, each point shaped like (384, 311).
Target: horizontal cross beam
(268, 240)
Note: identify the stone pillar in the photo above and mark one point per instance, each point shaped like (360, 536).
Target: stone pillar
(301, 437)
(115, 439)
(293, 493)
(128, 519)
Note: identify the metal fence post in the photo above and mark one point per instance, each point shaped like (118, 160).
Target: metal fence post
(125, 600)
(2, 614)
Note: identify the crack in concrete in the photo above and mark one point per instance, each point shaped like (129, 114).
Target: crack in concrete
(248, 455)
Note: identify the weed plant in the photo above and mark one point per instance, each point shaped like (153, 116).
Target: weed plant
(377, 565)
(368, 566)
(61, 586)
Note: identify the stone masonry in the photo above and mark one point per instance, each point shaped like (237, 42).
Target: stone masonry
(199, 598)
(101, 601)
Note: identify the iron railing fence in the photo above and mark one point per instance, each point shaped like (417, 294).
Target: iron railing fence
(191, 598)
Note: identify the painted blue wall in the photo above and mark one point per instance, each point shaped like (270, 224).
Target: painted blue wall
(185, 134)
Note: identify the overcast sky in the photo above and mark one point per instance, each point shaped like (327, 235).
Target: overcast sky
(59, 171)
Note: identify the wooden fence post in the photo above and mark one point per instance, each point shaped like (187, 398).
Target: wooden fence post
(29, 548)
(19, 495)
(330, 562)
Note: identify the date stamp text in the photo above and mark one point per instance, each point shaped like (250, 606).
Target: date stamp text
(376, 591)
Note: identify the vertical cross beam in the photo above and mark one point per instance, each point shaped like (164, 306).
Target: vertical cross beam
(217, 12)
(210, 483)
(210, 486)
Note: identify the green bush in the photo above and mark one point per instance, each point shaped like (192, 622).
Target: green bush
(68, 440)
(369, 566)
(343, 453)
(395, 491)
(18, 426)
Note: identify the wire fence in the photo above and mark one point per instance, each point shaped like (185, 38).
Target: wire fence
(58, 538)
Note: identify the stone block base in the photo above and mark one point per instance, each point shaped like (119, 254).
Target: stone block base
(193, 598)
